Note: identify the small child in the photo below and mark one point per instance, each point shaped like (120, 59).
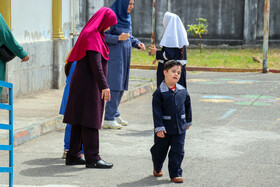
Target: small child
(173, 42)
(69, 70)
(172, 116)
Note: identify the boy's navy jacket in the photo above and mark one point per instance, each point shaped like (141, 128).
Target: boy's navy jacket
(171, 110)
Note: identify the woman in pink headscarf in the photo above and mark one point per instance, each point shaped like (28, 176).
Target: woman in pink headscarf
(89, 90)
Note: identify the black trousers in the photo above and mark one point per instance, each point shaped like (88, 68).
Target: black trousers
(89, 138)
(176, 153)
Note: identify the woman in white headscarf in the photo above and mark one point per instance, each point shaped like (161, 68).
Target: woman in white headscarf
(173, 43)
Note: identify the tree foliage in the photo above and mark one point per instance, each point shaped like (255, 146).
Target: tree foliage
(199, 29)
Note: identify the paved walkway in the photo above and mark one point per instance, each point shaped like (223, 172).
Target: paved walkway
(234, 140)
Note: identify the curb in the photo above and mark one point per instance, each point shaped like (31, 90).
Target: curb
(146, 88)
(153, 67)
(28, 133)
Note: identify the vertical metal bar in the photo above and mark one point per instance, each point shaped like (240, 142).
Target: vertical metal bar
(153, 23)
(11, 136)
(266, 34)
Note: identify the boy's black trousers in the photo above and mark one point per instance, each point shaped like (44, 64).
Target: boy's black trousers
(176, 153)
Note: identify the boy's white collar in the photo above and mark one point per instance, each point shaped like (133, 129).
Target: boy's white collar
(164, 88)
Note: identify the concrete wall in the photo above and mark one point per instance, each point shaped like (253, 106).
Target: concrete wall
(32, 28)
(31, 20)
(44, 70)
(230, 22)
(36, 74)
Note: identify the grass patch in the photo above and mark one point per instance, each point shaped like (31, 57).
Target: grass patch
(219, 58)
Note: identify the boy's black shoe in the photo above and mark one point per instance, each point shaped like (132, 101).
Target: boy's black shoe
(99, 164)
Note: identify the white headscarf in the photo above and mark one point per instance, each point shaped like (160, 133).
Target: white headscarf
(175, 35)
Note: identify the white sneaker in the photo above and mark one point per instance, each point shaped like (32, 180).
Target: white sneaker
(111, 125)
(121, 121)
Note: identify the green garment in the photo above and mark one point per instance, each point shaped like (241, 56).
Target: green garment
(7, 38)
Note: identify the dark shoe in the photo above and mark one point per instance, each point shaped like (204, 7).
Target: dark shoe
(99, 164)
(177, 180)
(157, 174)
(75, 161)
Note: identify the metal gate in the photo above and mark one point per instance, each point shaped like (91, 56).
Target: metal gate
(8, 127)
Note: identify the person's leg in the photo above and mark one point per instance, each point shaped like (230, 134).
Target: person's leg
(111, 110)
(67, 136)
(118, 101)
(183, 78)
(91, 148)
(117, 115)
(73, 156)
(160, 75)
(75, 141)
(176, 155)
(159, 151)
(90, 140)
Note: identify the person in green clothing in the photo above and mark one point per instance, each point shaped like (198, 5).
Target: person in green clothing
(7, 38)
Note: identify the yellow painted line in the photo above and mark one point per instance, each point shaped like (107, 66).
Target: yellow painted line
(278, 119)
(240, 82)
(278, 99)
(198, 80)
(217, 100)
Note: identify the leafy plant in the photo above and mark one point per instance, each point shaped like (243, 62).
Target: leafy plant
(199, 29)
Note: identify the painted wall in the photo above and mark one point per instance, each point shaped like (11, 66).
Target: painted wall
(31, 20)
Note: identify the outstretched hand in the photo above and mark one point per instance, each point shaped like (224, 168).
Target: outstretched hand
(25, 59)
(160, 134)
(153, 50)
(154, 61)
(124, 36)
(142, 46)
(106, 95)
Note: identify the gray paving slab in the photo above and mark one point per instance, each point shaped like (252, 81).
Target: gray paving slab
(234, 140)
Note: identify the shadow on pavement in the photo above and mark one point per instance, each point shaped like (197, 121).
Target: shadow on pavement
(49, 167)
(147, 181)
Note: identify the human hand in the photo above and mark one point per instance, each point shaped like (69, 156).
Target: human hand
(124, 36)
(188, 127)
(160, 134)
(155, 61)
(153, 50)
(106, 95)
(142, 46)
(25, 59)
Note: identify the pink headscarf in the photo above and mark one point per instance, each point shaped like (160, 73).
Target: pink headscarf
(92, 36)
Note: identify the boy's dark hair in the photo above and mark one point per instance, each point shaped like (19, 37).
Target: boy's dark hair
(170, 63)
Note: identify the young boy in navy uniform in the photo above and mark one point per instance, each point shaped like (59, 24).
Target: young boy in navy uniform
(172, 116)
